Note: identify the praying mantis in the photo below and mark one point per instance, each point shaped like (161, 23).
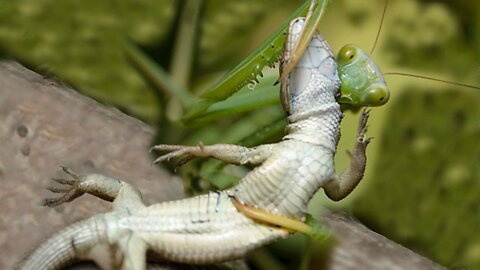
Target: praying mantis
(354, 92)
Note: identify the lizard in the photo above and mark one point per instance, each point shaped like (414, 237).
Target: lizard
(220, 226)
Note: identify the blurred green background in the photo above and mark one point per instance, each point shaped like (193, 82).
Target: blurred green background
(422, 186)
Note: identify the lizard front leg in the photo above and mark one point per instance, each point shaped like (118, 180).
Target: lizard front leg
(340, 186)
(226, 152)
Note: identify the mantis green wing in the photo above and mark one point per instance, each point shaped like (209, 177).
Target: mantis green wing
(251, 67)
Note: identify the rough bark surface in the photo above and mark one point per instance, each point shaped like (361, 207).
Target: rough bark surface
(44, 124)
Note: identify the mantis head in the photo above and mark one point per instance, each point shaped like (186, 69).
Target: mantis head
(362, 82)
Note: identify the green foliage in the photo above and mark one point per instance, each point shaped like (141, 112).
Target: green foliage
(425, 188)
(235, 19)
(81, 42)
(428, 36)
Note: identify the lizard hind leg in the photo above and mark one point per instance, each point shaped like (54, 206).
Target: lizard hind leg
(123, 195)
(310, 227)
(132, 253)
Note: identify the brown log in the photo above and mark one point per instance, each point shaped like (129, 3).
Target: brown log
(44, 124)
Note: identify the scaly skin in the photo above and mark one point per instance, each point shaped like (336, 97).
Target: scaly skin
(198, 230)
(209, 228)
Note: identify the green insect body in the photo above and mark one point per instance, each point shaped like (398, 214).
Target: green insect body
(362, 81)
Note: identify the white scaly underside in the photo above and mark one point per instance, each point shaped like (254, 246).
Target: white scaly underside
(196, 230)
(314, 113)
(304, 160)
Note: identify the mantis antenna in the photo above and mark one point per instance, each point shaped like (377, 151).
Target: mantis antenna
(379, 27)
(432, 79)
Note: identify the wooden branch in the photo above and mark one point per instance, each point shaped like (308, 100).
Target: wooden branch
(44, 124)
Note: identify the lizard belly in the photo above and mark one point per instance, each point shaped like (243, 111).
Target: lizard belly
(286, 182)
(199, 230)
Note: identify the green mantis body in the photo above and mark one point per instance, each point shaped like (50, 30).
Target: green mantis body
(362, 81)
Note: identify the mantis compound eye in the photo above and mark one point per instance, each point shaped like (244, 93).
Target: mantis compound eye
(347, 53)
(376, 95)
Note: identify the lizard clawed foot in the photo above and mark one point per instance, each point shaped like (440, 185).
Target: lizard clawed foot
(69, 187)
(362, 129)
(361, 143)
(177, 151)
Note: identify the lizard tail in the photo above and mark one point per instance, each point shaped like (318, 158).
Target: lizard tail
(70, 244)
